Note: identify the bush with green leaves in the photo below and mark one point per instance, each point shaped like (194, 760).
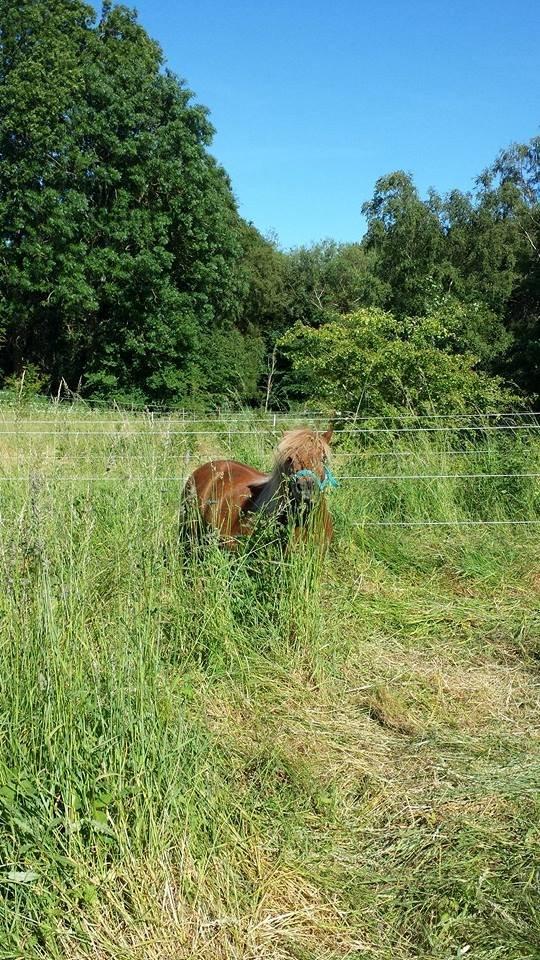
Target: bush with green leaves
(371, 360)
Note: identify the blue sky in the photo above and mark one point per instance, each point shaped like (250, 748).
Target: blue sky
(313, 101)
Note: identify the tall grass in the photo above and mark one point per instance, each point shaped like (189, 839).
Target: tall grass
(259, 756)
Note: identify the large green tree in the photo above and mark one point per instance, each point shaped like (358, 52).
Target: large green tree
(121, 247)
(481, 249)
(42, 207)
(405, 235)
(326, 279)
(511, 187)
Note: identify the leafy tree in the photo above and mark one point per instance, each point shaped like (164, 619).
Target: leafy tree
(326, 279)
(407, 240)
(231, 363)
(41, 252)
(121, 245)
(480, 249)
(373, 361)
(310, 285)
(264, 302)
(512, 188)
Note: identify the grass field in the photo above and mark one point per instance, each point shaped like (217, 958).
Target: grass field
(251, 757)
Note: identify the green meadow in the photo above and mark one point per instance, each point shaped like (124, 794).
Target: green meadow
(258, 756)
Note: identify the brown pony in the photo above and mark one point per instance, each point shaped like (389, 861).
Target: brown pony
(227, 497)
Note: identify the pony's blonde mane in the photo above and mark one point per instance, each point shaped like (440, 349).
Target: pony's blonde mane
(304, 448)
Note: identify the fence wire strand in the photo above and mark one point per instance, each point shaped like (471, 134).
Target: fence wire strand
(156, 415)
(236, 433)
(366, 476)
(446, 523)
(120, 455)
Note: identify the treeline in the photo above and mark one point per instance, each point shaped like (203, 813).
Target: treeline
(127, 273)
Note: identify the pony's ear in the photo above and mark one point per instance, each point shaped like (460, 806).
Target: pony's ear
(328, 435)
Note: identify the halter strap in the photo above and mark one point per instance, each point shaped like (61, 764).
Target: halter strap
(328, 481)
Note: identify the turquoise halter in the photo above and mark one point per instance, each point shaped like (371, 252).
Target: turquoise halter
(329, 478)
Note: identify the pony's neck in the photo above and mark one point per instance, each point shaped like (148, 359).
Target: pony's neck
(270, 499)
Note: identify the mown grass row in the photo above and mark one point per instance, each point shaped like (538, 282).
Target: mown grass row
(258, 756)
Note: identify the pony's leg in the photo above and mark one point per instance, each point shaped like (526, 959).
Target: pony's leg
(327, 528)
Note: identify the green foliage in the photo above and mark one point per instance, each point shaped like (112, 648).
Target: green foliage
(231, 364)
(264, 302)
(373, 361)
(28, 384)
(481, 249)
(121, 245)
(327, 279)
(318, 284)
(513, 184)
(406, 237)
(127, 272)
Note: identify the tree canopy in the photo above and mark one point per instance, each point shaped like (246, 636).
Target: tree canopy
(127, 272)
(121, 243)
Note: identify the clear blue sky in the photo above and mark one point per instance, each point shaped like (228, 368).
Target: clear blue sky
(313, 100)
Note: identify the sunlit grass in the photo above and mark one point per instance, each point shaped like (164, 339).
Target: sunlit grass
(260, 756)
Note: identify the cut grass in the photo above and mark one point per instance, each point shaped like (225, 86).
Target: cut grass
(257, 757)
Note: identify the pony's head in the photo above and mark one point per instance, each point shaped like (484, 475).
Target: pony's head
(302, 458)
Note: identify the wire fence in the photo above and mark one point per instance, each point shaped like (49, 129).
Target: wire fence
(448, 523)
(184, 416)
(228, 428)
(118, 456)
(158, 410)
(150, 419)
(490, 428)
(181, 478)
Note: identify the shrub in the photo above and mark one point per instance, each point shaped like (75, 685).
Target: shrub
(370, 359)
